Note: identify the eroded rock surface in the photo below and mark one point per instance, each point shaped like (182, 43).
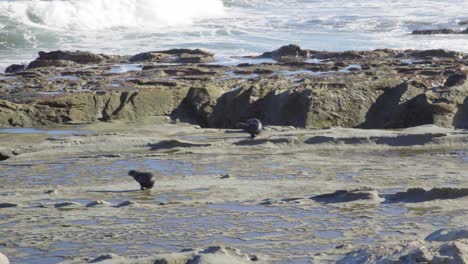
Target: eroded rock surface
(453, 251)
(415, 195)
(311, 89)
(210, 255)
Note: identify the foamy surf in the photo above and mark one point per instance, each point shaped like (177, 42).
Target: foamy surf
(225, 27)
(106, 14)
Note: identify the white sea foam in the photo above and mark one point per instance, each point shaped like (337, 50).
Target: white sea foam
(225, 27)
(105, 14)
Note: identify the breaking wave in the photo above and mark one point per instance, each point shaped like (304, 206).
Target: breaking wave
(107, 14)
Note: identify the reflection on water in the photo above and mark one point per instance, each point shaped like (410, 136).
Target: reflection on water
(42, 131)
(168, 221)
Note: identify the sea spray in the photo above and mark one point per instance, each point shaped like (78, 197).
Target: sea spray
(106, 14)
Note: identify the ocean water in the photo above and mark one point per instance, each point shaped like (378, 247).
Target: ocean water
(226, 27)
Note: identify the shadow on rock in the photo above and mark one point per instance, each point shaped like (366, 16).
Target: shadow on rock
(417, 195)
(344, 196)
(445, 235)
(170, 144)
(255, 142)
(119, 191)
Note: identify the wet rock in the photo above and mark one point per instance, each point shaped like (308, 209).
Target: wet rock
(14, 68)
(446, 235)
(260, 141)
(408, 253)
(344, 196)
(109, 258)
(211, 255)
(7, 205)
(127, 203)
(174, 56)
(3, 259)
(221, 254)
(39, 63)
(80, 57)
(345, 55)
(51, 192)
(98, 203)
(437, 53)
(67, 205)
(456, 79)
(289, 53)
(225, 176)
(463, 22)
(435, 31)
(388, 95)
(416, 195)
(170, 144)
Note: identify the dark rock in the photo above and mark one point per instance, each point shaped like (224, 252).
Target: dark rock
(127, 203)
(463, 22)
(434, 31)
(7, 205)
(68, 205)
(80, 57)
(343, 196)
(170, 144)
(287, 53)
(109, 257)
(416, 195)
(345, 55)
(98, 203)
(437, 53)
(174, 56)
(446, 235)
(14, 68)
(5, 154)
(456, 79)
(39, 63)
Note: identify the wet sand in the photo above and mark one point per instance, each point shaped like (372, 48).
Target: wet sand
(218, 187)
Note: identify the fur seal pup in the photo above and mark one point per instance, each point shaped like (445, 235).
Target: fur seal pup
(145, 179)
(252, 126)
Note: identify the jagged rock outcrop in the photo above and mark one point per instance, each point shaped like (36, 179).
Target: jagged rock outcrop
(91, 107)
(69, 58)
(449, 249)
(366, 89)
(289, 53)
(210, 255)
(174, 56)
(439, 31)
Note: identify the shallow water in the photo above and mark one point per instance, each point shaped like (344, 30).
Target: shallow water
(199, 209)
(42, 131)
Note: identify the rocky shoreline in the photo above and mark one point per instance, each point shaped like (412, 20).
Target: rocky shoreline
(290, 195)
(288, 87)
(362, 158)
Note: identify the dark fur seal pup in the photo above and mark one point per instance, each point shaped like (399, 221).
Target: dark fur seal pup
(145, 179)
(252, 126)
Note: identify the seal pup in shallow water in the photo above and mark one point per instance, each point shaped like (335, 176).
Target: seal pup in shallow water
(145, 179)
(252, 126)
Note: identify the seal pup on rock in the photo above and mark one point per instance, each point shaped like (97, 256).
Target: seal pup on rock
(252, 126)
(145, 179)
